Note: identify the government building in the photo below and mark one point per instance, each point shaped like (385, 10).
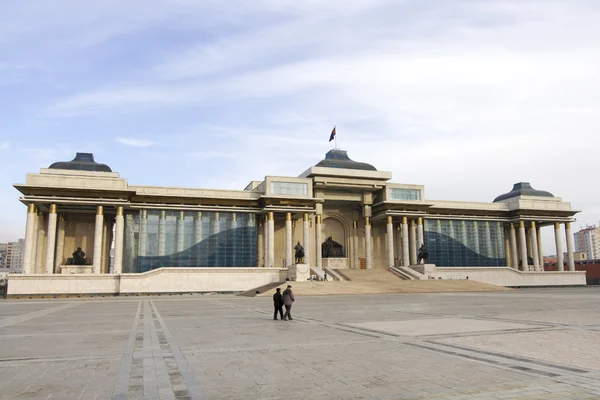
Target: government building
(85, 221)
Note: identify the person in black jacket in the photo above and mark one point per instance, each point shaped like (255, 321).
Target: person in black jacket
(278, 303)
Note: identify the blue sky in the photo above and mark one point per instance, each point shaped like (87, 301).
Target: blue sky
(466, 97)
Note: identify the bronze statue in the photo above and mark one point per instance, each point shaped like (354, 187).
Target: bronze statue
(299, 253)
(331, 248)
(79, 257)
(423, 254)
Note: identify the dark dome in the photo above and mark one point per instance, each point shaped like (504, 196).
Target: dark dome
(81, 162)
(339, 159)
(522, 189)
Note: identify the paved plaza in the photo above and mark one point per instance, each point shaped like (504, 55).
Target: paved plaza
(525, 344)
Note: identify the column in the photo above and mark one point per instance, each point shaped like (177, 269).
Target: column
(513, 247)
(306, 238)
(119, 230)
(36, 233)
(398, 238)
(355, 238)
(289, 257)
(180, 231)
(51, 240)
(523, 246)
(260, 256)
(198, 227)
(265, 241)
(162, 233)
(390, 241)
(569, 236)
(319, 240)
(412, 243)
(368, 250)
(128, 256)
(507, 249)
(420, 239)
(97, 257)
(560, 266)
(405, 246)
(40, 256)
(271, 241)
(534, 247)
(60, 243)
(105, 254)
(540, 251)
(29, 236)
(143, 233)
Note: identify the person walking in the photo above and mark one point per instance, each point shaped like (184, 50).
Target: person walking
(288, 300)
(278, 304)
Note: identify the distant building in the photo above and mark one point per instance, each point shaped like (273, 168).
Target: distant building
(3, 247)
(14, 255)
(587, 240)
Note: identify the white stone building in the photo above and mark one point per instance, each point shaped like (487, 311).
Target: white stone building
(587, 241)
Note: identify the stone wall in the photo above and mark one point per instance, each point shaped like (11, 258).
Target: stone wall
(504, 276)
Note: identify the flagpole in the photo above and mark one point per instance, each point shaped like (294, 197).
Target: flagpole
(335, 137)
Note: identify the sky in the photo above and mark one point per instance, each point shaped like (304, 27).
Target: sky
(466, 97)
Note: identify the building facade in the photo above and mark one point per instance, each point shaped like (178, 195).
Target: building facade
(587, 241)
(345, 214)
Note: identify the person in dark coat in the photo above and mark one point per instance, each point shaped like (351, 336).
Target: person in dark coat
(278, 304)
(288, 300)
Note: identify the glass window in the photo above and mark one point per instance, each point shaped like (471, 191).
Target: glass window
(289, 188)
(405, 194)
(156, 238)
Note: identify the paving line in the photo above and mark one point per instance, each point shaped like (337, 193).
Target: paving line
(122, 381)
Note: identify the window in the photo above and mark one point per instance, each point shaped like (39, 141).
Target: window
(405, 194)
(289, 188)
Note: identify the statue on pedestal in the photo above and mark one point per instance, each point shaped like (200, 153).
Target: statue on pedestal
(299, 253)
(331, 248)
(79, 257)
(423, 254)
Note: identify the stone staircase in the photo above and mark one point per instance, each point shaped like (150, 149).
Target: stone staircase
(381, 281)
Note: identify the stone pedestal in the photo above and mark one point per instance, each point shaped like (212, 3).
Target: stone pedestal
(76, 269)
(298, 272)
(428, 270)
(335, 263)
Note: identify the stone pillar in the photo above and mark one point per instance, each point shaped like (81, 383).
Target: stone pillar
(119, 233)
(40, 257)
(143, 232)
(162, 233)
(260, 253)
(540, 250)
(271, 241)
(513, 247)
(569, 236)
(507, 249)
(29, 239)
(390, 241)
(405, 246)
(265, 241)
(34, 248)
(318, 240)
(356, 255)
(105, 253)
(306, 238)
(97, 257)
(60, 243)
(51, 240)
(534, 246)
(180, 231)
(398, 238)
(289, 256)
(368, 250)
(560, 265)
(523, 246)
(412, 243)
(198, 227)
(420, 239)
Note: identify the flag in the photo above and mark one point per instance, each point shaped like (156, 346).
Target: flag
(332, 136)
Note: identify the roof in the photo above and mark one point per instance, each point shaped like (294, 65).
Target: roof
(81, 162)
(339, 159)
(522, 189)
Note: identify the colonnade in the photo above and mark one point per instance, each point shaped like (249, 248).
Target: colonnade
(49, 229)
(529, 246)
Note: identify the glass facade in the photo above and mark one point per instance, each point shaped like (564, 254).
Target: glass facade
(405, 194)
(289, 188)
(160, 238)
(462, 243)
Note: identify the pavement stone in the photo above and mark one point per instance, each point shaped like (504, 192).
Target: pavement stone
(444, 346)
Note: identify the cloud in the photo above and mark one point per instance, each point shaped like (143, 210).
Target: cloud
(133, 142)
(4, 145)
